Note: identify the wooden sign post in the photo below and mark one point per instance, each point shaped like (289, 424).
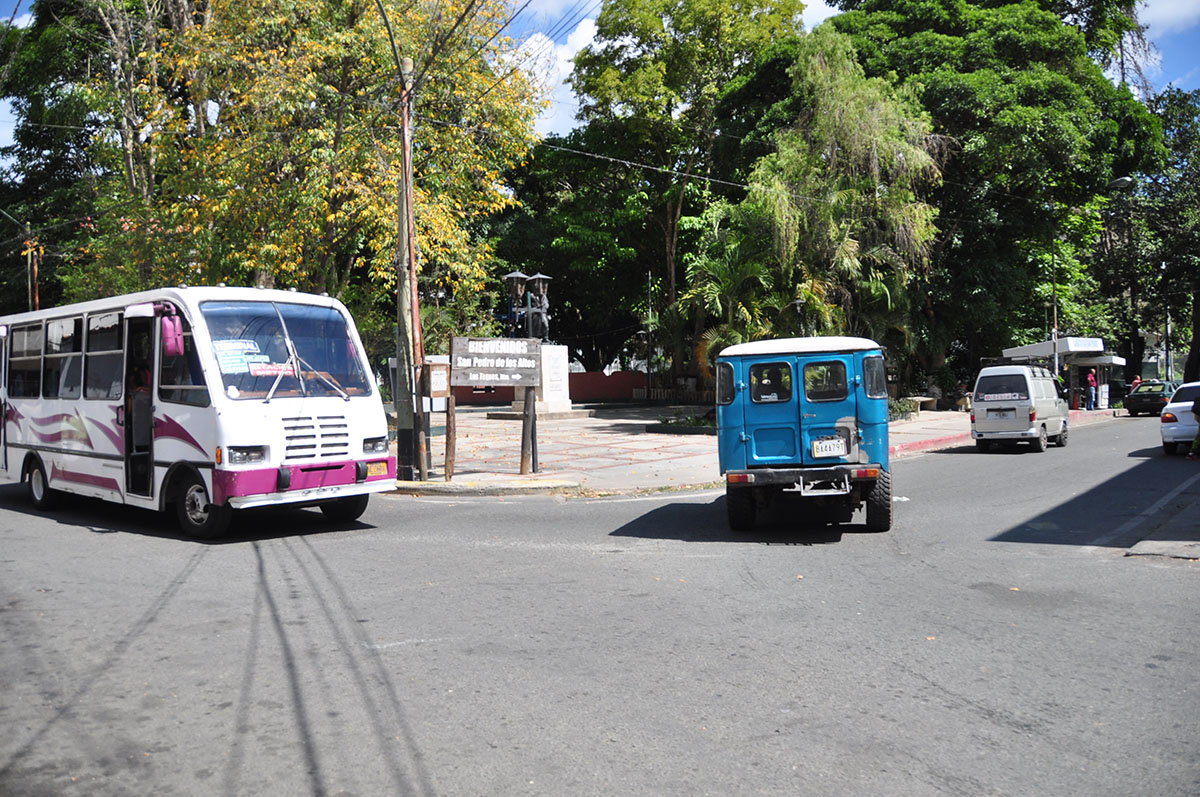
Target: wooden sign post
(499, 362)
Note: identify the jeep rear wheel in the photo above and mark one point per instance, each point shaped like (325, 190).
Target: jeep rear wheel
(879, 503)
(740, 508)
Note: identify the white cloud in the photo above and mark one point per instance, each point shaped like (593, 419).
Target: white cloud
(817, 12)
(551, 64)
(1170, 16)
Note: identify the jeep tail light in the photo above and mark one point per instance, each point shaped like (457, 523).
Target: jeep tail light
(1168, 417)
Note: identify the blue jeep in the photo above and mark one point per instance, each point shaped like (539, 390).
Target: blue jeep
(805, 413)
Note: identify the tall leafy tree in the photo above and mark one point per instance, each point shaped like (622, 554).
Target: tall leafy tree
(659, 66)
(842, 192)
(582, 220)
(48, 176)
(1035, 126)
(1172, 210)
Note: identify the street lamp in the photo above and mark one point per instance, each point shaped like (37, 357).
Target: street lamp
(515, 281)
(537, 316)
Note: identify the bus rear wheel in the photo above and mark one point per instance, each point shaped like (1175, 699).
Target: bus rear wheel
(198, 517)
(345, 510)
(39, 487)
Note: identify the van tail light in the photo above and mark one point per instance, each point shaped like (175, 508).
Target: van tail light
(1032, 414)
(972, 417)
(1168, 417)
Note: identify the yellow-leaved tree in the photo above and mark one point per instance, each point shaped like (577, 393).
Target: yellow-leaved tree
(272, 134)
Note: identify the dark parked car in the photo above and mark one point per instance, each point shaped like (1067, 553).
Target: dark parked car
(1150, 397)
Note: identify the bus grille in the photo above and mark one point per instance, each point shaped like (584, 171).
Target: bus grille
(315, 437)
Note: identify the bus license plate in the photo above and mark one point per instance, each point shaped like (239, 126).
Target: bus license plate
(376, 469)
(829, 447)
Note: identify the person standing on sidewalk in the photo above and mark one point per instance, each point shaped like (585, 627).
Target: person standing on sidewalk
(1195, 452)
(1091, 383)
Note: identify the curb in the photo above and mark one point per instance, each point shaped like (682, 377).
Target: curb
(514, 486)
(934, 444)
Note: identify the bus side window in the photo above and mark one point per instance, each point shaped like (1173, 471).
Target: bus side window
(105, 365)
(181, 378)
(25, 362)
(62, 367)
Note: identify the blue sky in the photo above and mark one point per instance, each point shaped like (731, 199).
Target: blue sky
(554, 30)
(1174, 27)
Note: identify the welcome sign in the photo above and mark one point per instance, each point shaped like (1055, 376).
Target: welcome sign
(495, 362)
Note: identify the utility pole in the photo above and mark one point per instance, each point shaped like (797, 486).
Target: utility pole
(410, 349)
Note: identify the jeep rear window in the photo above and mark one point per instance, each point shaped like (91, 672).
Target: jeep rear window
(876, 377)
(1002, 387)
(825, 381)
(770, 383)
(725, 387)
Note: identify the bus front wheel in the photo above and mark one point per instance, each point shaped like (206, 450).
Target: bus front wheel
(345, 510)
(198, 517)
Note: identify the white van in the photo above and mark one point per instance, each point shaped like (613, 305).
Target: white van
(1018, 403)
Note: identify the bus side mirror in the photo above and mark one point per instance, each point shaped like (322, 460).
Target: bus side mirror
(172, 336)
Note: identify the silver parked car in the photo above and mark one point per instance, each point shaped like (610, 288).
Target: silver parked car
(1177, 423)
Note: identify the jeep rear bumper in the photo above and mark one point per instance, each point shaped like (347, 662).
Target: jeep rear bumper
(833, 480)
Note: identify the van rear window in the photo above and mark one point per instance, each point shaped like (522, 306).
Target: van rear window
(1002, 387)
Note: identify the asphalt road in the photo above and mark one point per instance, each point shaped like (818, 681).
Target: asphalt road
(997, 640)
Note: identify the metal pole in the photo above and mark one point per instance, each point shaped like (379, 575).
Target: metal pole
(1054, 297)
(29, 264)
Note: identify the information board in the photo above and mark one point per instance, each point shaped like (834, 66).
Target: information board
(495, 362)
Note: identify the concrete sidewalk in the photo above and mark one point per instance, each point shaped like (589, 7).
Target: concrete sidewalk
(604, 449)
(611, 449)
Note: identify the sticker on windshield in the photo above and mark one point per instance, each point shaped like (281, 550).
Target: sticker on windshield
(1001, 397)
(233, 355)
(269, 368)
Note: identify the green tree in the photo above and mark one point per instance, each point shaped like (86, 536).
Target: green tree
(48, 173)
(841, 193)
(659, 66)
(582, 221)
(1034, 125)
(1172, 209)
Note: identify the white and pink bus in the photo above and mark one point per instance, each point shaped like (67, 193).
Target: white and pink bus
(204, 400)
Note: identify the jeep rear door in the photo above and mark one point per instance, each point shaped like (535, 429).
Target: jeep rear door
(828, 408)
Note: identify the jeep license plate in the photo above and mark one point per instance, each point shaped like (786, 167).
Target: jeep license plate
(829, 447)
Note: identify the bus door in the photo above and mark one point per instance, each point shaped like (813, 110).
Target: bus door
(139, 406)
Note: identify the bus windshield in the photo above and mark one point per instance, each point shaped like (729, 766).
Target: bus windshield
(261, 348)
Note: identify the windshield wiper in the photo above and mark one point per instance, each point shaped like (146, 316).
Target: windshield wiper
(293, 361)
(306, 364)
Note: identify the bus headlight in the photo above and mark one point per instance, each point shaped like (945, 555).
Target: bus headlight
(375, 445)
(244, 455)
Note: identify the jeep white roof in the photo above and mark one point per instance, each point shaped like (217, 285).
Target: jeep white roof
(815, 345)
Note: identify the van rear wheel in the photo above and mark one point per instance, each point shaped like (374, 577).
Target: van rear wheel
(1061, 440)
(740, 508)
(1039, 442)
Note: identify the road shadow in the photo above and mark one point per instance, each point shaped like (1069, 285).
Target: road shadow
(787, 521)
(105, 517)
(1147, 499)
